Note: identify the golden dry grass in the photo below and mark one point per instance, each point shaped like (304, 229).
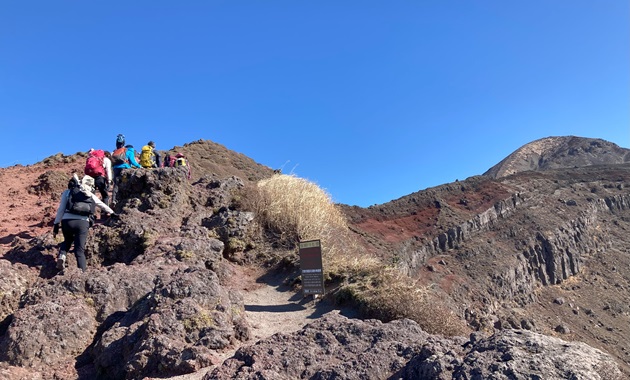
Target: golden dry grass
(298, 207)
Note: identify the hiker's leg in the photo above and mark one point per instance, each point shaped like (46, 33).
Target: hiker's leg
(101, 184)
(80, 228)
(117, 172)
(64, 247)
(68, 237)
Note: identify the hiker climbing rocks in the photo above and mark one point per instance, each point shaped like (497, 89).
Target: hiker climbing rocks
(124, 157)
(76, 214)
(99, 166)
(149, 157)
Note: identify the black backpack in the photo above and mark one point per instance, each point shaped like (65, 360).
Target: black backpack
(80, 203)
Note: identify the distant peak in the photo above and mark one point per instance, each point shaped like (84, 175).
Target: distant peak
(560, 152)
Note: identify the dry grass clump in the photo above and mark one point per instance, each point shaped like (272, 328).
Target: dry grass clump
(388, 295)
(298, 210)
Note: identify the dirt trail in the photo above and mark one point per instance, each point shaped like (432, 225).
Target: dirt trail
(271, 307)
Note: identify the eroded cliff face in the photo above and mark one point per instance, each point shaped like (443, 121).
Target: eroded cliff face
(455, 237)
(548, 256)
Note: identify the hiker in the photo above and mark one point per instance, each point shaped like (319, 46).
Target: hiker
(149, 157)
(76, 215)
(124, 157)
(120, 141)
(99, 166)
(178, 160)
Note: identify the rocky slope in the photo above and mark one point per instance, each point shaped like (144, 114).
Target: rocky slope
(544, 250)
(536, 262)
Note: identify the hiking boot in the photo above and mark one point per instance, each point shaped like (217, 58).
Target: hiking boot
(61, 262)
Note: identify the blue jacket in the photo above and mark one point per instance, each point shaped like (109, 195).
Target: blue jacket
(131, 158)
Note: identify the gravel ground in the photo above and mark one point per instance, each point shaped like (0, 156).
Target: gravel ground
(271, 308)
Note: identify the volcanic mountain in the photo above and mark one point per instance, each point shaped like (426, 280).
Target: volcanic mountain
(533, 257)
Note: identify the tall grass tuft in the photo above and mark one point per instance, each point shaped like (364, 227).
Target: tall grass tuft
(299, 210)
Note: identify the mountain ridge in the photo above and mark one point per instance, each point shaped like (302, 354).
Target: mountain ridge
(560, 152)
(534, 255)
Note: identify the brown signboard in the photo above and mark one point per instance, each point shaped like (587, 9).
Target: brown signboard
(312, 267)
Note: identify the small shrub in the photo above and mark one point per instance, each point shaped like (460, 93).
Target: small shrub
(183, 255)
(236, 245)
(148, 239)
(90, 302)
(199, 321)
(387, 294)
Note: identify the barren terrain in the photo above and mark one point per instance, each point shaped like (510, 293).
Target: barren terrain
(270, 305)
(539, 251)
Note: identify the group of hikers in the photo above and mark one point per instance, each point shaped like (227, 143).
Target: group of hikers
(103, 170)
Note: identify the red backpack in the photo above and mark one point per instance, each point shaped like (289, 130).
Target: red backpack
(94, 164)
(119, 156)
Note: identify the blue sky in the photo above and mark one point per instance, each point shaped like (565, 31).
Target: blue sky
(370, 100)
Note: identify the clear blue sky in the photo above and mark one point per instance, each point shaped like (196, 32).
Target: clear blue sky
(371, 100)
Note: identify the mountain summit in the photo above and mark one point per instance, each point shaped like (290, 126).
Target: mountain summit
(560, 152)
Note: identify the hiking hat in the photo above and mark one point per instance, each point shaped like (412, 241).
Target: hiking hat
(120, 141)
(88, 182)
(151, 144)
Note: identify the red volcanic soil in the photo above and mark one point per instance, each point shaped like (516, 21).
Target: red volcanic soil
(29, 196)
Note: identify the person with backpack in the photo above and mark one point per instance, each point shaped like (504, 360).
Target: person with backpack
(176, 161)
(75, 215)
(99, 166)
(124, 157)
(149, 157)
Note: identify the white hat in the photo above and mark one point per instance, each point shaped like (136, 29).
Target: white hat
(87, 183)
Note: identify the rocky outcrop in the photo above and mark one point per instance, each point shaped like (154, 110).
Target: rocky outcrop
(49, 333)
(521, 354)
(341, 348)
(15, 280)
(174, 330)
(151, 301)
